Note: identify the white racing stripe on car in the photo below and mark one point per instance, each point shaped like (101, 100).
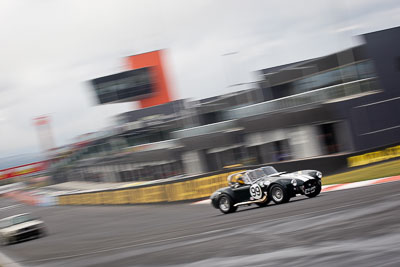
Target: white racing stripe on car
(336, 187)
(302, 177)
(290, 176)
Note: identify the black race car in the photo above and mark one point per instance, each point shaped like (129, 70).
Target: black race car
(262, 185)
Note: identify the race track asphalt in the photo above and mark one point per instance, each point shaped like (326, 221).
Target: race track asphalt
(355, 227)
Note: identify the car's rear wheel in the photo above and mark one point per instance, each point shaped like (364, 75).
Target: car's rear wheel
(4, 241)
(225, 204)
(279, 194)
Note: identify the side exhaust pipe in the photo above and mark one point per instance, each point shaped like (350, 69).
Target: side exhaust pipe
(252, 201)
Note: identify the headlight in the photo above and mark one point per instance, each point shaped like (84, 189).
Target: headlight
(294, 182)
(319, 175)
(11, 233)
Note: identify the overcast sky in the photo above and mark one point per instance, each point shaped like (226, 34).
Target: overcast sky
(49, 48)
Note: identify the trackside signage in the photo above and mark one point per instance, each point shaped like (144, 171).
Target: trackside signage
(375, 156)
(22, 170)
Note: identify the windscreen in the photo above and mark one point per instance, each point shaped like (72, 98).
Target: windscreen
(255, 174)
(21, 219)
(5, 223)
(268, 170)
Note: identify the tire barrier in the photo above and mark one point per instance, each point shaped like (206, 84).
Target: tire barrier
(170, 192)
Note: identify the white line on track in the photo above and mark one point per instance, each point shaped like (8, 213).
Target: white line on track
(7, 262)
(10, 207)
(194, 235)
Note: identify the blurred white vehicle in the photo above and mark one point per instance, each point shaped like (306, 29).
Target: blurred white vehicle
(20, 227)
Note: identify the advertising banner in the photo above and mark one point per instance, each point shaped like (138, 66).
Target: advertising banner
(22, 170)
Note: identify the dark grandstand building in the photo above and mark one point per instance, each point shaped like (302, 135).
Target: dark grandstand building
(340, 103)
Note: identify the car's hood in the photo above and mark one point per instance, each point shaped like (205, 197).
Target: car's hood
(21, 226)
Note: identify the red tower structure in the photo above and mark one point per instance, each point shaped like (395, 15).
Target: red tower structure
(153, 60)
(44, 133)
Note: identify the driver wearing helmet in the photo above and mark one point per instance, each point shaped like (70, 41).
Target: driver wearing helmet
(235, 180)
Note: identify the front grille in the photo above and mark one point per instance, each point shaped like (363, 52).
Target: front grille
(28, 234)
(26, 229)
(310, 183)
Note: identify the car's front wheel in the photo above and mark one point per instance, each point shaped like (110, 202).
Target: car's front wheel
(316, 192)
(279, 194)
(42, 233)
(225, 204)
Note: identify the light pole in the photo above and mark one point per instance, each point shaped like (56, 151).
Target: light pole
(227, 72)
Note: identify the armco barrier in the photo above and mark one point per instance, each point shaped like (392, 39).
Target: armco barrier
(177, 191)
(374, 156)
(204, 185)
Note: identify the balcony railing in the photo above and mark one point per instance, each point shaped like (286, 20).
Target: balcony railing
(311, 97)
(168, 144)
(315, 96)
(204, 129)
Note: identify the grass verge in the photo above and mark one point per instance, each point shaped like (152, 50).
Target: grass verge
(385, 169)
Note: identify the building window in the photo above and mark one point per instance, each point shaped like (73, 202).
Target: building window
(398, 63)
(328, 138)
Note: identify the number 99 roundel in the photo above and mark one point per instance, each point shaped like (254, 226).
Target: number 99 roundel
(255, 191)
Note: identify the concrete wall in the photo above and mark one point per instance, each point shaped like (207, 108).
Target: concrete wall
(193, 162)
(343, 136)
(304, 141)
(260, 138)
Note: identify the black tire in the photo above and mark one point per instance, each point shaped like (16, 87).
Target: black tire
(316, 192)
(279, 194)
(4, 241)
(43, 233)
(225, 204)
